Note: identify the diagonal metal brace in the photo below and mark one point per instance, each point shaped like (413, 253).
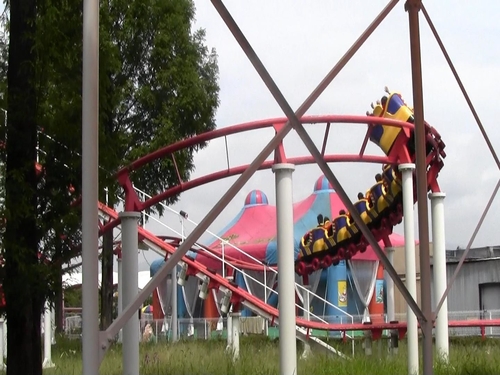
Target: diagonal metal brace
(294, 121)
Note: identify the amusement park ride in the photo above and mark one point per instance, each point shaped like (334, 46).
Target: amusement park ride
(372, 217)
(381, 207)
(390, 126)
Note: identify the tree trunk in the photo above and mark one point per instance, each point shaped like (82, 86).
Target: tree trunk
(107, 278)
(23, 284)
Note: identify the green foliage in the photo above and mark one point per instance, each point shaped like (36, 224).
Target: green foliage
(157, 84)
(73, 297)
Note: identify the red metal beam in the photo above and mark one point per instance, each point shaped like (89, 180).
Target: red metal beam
(262, 124)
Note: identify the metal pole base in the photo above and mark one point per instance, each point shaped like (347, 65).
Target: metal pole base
(47, 363)
(235, 347)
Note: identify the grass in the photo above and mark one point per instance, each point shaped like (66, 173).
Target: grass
(259, 356)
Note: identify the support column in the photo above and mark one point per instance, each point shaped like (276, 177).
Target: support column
(90, 187)
(391, 315)
(235, 340)
(229, 330)
(307, 316)
(286, 282)
(120, 291)
(130, 290)
(47, 337)
(336, 294)
(413, 8)
(175, 325)
(439, 268)
(411, 272)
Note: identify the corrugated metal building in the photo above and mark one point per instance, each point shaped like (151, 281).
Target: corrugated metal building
(476, 288)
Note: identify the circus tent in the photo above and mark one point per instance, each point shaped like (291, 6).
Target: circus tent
(253, 230)
(348, 288)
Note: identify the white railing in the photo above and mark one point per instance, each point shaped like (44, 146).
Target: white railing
(257, 261)
(207, 328)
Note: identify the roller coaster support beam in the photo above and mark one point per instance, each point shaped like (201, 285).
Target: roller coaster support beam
(47, 337)
(391, 316)
(411, 272)
(293, 119)
(120, 291)
(390, 286)
(286, 283)
(175, 310)
(130, 287)
(307, 316)
(90, 185)
(229, 328)
(235, 334)
(440, 275)
(413, 8)
(106, 337)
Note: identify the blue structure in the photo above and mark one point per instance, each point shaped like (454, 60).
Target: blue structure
(253, 230)
(181, 305)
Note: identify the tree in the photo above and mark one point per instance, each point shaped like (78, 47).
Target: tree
(158, 84)
(23, 280)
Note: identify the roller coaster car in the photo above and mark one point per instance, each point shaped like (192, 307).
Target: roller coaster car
(317, 240)
(392, 107)
(323, 239)
(362, 208)
(385, 136)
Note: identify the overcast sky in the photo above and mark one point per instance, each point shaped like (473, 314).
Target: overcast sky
(299, 42)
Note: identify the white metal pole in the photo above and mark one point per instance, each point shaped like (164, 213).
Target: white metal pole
(266, 322)
(229, 329)
(411, 272)
(307, 316)
(143, 212)
(53, 325)
(286, 286)
(439, 268)
(90, 185)
(235, 317)
(174, 299)
(223, 261)
(47, 337)
(391, 316)
(174, 322)
(120, 292)
(130, 290)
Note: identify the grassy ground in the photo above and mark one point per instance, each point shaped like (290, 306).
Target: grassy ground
(261, 356)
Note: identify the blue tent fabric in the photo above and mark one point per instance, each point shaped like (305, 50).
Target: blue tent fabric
(155, 266)
(320, 205)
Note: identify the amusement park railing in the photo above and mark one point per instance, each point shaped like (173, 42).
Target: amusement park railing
(257, 261)
(157, 331)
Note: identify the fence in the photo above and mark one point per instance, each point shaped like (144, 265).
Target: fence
(204, 328)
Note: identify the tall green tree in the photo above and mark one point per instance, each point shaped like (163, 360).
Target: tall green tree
(158, 85)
